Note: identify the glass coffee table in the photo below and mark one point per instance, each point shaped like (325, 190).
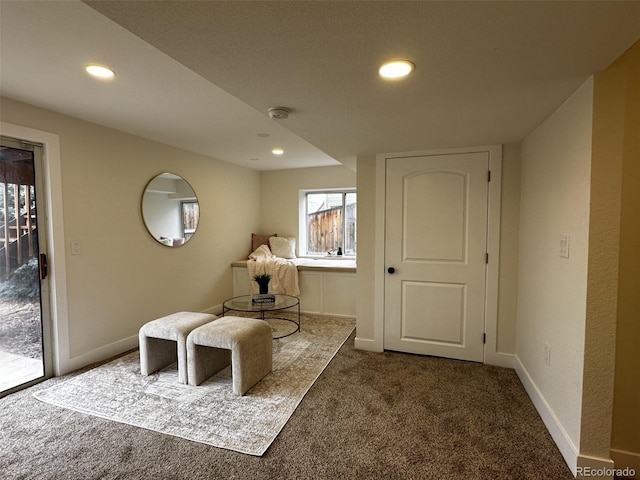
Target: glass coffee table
(244, 303)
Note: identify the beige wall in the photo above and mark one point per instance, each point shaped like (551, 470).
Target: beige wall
(616, 146)
(366, 302)
(554, 201)
(279, 198)
(124, 278)
(509, 225)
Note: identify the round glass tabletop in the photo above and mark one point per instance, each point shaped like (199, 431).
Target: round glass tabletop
(245, 303)
(281, 325)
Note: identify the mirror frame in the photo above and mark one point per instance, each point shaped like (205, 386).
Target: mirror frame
(179, 198)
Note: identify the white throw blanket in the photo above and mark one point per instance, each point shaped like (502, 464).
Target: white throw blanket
(284, 274)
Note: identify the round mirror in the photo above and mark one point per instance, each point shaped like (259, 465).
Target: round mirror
(170, 209)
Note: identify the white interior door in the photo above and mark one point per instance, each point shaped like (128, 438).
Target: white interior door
(435, 247)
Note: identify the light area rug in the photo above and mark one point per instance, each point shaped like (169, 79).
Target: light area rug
(209, 413)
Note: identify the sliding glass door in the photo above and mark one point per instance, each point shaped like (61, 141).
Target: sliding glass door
(24, 342)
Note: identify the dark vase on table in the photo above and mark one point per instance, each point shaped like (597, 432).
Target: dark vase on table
(263, 287)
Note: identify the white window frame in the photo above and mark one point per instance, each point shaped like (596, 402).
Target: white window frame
(302, 221)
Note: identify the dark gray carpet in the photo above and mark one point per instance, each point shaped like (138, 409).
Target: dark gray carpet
(368, 416)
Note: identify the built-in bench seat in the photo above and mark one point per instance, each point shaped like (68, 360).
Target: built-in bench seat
(327, 286)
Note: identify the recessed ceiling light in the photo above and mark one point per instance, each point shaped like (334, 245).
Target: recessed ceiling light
(277, 151)
(396, 69)
(99, 71)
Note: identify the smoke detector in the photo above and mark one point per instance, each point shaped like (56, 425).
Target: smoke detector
(278, 113)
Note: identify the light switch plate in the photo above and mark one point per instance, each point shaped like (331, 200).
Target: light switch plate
(564, 246)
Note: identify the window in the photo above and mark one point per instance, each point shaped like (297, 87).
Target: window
(190, 218)
(328, 222)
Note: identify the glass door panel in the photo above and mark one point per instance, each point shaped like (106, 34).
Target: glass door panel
(22, 359)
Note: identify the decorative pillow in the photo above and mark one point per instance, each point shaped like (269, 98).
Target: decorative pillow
(257, 240)
(283, 247)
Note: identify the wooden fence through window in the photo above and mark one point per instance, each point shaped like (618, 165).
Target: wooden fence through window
(325, 230)
(18, 234)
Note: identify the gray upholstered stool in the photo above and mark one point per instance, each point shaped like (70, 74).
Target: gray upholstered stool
(245, 342)
(163, 341)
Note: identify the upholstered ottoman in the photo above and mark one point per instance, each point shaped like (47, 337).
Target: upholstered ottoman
(163, 341)
(245, 342)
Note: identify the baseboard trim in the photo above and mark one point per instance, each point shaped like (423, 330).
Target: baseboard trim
(560, 437)
(113, 349)
(215, 310)
(595, 467)
(366, 344)
(498, 359)
(99, 354)
(624, 459)
(327, 314)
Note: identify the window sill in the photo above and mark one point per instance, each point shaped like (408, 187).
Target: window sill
(351, 258)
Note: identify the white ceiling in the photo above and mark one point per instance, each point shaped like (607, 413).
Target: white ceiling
(45, 44)
(487, 72)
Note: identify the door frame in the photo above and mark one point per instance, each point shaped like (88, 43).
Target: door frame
(52, 180)
(491, 354)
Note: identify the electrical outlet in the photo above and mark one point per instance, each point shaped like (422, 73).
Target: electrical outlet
(75, 247)
(547, 354)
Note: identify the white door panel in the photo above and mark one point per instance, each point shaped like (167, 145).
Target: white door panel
(425, 195)
(424, 300)
(436, 223)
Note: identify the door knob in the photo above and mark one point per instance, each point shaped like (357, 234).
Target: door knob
(391, 270)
